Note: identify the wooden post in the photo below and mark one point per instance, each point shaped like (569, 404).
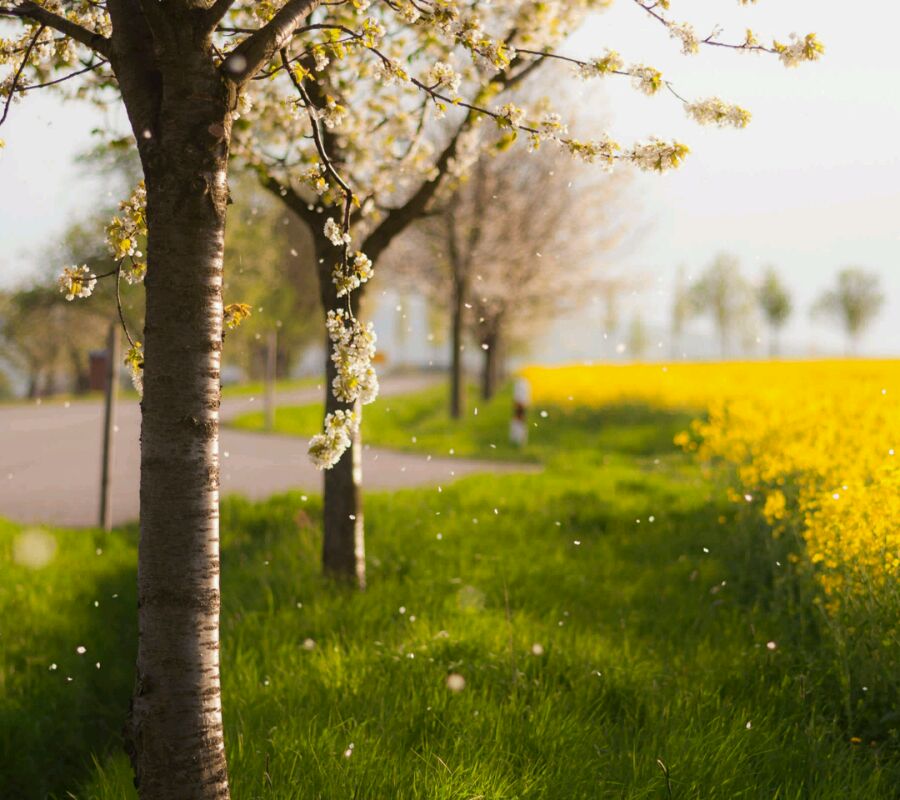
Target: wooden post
(109, 425)
(271, 365)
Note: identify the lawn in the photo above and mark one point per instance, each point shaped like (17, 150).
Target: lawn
(621, 629)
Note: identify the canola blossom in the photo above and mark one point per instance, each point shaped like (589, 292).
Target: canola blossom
(814, 444)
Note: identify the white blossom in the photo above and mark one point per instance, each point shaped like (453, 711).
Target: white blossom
(442, 74)
(684, 31)
(714, 111)
(335, 233)
(326, 448)
(611, 62)
(509, 115)
(657, 155)
(809, 48)
(77, 282)
(646, 79)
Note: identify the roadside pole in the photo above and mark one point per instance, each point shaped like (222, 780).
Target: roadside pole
(271, 365)
(109, 425)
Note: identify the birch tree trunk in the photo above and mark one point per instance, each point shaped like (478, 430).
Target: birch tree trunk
(174, 732)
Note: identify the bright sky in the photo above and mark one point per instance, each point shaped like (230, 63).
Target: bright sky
(812, 185)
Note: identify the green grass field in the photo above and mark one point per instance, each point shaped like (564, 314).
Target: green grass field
(611, 619)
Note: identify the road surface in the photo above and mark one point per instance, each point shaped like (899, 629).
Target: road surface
(50, 458)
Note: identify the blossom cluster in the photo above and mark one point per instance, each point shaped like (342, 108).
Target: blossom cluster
(657, 155)
(77, 282)
(134, 360)
(335, 233)
(234, 314)
(611, 62)
(441, 74)
(353, 348)
(125, 231)
(326, 448)
(714, 111)
(799, 49)
(349, 277)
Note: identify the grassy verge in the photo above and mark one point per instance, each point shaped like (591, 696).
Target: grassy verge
(420, 422)
(608, 616)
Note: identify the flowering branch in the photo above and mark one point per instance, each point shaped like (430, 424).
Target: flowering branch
(19, 71)
(73, 30)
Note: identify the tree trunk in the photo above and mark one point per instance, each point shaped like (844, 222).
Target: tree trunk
(457, 379)
(490, 367)
(175, 735)
(343, 544)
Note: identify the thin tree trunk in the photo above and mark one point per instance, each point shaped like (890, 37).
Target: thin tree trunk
(490, 366)
(343, 543)
(175, 734)
(457, 379)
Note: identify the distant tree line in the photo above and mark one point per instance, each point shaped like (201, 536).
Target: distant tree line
(734, 305)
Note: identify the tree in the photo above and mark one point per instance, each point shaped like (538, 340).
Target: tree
(775, 303)
(181, 99)
(271, 268)
(722, 293)
(681, 312)
(183, 72)
(505, 261)
(854, 303)
(637, 338)
(372, 142)
(534, 260)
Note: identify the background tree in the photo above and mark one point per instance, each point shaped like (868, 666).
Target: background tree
(854, 303)
(681, 313)
(271, 268)
(722, 294)
(638, 340)
(775, 303)
(505, 260)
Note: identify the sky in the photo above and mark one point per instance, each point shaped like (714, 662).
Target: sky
(812, 185)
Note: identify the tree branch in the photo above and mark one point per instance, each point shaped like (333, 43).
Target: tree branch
(286, 193)
(214, 14)
(257, 49)
(19, 71)
(71, 29)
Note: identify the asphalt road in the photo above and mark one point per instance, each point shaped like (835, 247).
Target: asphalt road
(50, 459)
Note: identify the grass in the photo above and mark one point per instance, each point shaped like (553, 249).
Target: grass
(420, 422)
(652, 602)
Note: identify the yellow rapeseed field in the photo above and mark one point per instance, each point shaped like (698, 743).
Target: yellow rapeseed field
(816, 443)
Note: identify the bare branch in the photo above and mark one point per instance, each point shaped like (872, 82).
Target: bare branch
(259, 48)
(88, 68)
(30, 10)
